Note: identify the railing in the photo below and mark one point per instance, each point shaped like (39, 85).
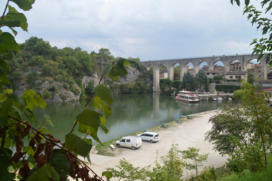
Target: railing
(188, 58)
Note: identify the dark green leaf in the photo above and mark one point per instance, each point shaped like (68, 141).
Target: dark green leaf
(247, 2)
(107, 174)
(119, 69)
(14, 19)
(5, 108)
(60, 162)
(77, 145)
(89, 118)
(88, 130)
(7, 43)
(24, 4)
(5, 156)
(104, 93)
(237, 2)
(45, 173)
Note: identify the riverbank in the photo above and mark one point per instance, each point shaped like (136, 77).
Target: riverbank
(190, 133)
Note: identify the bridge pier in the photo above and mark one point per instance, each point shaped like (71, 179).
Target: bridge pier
(182, 71)
(211, 67)
(264, 69)
(196, 68)
(156, 79)
(170, 69)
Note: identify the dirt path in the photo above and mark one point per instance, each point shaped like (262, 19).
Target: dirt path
(190, 133)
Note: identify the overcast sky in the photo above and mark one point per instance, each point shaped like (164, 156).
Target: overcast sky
(148, 29)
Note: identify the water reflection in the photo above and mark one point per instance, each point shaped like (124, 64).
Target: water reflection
(131, 113)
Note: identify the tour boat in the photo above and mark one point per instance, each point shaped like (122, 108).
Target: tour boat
(187, 96)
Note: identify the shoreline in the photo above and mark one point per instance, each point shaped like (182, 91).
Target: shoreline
(189, 133)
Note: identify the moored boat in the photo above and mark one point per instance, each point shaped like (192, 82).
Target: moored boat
(187, 96)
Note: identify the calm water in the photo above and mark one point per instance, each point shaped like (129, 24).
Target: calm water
(131, 113)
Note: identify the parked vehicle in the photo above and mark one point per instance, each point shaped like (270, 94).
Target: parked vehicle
(132, 142)
(150, 136)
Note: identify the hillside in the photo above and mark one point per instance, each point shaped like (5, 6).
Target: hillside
(62, 75)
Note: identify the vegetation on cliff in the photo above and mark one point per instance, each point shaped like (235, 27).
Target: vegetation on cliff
(58, 74)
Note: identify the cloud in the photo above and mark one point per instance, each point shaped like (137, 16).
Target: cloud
(149, 29)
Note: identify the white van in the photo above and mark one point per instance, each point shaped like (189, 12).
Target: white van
(150, 136)
(132, 142)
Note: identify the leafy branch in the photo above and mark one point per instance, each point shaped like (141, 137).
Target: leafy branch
(263, 45)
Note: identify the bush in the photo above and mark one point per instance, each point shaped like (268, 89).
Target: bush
(30, 78)
(227, 88)
(74, 90)
(47, 94)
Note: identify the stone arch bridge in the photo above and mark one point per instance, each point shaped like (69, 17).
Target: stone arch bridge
(211, 61)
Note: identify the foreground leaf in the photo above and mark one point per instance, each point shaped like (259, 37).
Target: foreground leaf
(104, 93)
(5, 156)
(33, 100)
(107, 174)
(90, 118)
(14, 19)
(45, 173)
(77, 145)
(60, 162)
(89, 131)
(7, 43)
(24, 4)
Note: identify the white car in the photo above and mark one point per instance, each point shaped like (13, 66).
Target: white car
(132, 142)
(150, 136)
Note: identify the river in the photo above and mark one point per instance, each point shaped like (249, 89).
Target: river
(131, 113)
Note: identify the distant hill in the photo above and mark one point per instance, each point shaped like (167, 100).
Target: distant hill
(58, 74)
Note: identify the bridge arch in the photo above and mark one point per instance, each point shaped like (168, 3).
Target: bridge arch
(226, 61)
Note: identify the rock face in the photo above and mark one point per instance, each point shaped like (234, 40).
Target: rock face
(132, 75)
(52, 91)
(56, 91)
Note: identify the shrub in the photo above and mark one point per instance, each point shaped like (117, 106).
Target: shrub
(47, 94)
(227, 88)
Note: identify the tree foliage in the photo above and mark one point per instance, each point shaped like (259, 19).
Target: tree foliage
(261, 19)
(169, 168)
(196, 159)
(198, 82)
(27, 150)
(243, 131)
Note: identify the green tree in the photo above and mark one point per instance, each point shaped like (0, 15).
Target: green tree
(30, 79)
(218, 78)
(169, 168)
(189, 82)
(243, 131)
(195, 158)
(260, 18)
(202, 79)
(177, 84)
(250, 78)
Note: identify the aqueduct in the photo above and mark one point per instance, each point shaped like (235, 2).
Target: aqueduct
(211, 61)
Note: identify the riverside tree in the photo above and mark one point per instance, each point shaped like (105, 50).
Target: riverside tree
(243, 131)
(27, 150)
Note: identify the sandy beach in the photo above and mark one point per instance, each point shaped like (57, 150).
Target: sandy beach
(190, 133)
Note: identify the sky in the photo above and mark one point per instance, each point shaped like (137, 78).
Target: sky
(147, 29)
